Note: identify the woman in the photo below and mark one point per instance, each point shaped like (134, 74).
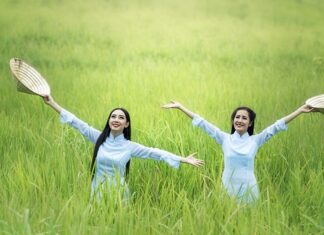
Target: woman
(114, 149)
(240, 147)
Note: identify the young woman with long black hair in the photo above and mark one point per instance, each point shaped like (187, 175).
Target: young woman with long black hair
(240, 146)
(114, 149)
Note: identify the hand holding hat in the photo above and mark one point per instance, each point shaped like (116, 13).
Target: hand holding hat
(316, 102)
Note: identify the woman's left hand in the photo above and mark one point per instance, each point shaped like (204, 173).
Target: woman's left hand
(193, 161)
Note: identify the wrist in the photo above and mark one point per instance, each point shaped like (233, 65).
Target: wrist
(51, 103)
(299, 111)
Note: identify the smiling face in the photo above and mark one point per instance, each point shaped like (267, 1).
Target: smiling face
(118, 122)
(241, 121)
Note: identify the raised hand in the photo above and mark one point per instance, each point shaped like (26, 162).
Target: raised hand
(176, 105)
(48, 99)
(193, 161)
(307, 108)
(172, 104)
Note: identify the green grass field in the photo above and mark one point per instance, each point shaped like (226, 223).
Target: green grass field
(212, 56)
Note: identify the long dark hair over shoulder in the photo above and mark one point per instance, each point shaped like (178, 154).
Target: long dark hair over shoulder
(103, 136)
(252, 116)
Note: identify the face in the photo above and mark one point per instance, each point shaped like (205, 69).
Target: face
(118, 122)
(241, 121)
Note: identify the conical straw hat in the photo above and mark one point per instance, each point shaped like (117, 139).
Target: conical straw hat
(28, 79)
(316, 102)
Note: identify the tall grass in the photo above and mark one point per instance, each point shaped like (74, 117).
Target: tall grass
(212, 56)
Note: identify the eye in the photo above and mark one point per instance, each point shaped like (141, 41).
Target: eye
(113, 116)
(122, 117)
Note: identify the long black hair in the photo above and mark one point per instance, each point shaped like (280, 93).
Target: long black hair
(105, 133)
(252, 116)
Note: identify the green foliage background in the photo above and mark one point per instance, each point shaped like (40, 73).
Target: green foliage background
(210, 55)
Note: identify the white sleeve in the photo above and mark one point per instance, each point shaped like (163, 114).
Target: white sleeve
(270, 131)
(89, 132)
(209, 128)
(141, 151)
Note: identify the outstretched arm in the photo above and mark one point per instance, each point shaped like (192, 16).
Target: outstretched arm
(51, 102)
(177, 105)
(211, 130)
(302, 109)
(281, 124)
(171, 159)
(89, 132)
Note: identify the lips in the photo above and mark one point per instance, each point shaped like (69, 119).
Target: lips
(116, 125)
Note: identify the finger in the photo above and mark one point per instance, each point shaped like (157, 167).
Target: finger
(193, 154)
(195, 164)
(166, 106)
(200, 163)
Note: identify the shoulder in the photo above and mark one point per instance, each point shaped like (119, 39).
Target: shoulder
(132, 144)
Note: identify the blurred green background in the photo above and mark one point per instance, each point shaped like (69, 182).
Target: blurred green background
(210, 55)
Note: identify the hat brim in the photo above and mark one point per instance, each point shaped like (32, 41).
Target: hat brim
(28, 79)
(316, 102)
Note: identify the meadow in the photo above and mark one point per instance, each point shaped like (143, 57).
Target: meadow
(212, 56)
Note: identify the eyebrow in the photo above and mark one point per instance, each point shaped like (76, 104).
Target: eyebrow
(241, 115)
(120, 115)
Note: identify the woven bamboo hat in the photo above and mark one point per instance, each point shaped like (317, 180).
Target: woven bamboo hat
(316, 102)
(28, 79)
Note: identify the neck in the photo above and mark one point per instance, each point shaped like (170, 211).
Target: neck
(115, 133)
(241, 133)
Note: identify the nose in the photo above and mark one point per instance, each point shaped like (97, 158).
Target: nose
(113, 119)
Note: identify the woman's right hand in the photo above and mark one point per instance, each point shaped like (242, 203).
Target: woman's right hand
(172, 104)
(48, 99)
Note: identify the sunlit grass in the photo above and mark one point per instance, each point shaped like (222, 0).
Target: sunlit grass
(212, 56)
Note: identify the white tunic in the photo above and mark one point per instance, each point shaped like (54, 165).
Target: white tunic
(114, 154)
(239, 154)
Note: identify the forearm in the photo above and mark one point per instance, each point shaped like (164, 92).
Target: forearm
(292, 116)
(56, 107)
(51, 102)
(186, 111)
(183, 160)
